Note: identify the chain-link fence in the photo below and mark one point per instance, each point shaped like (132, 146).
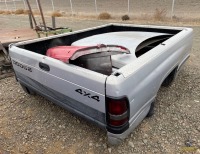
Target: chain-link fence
(179, 8)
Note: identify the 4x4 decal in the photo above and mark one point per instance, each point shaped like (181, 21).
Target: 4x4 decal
(84, 93)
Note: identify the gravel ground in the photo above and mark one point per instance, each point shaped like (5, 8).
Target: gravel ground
(32, 124)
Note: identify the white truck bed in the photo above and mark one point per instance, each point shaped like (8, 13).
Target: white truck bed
(117, 102)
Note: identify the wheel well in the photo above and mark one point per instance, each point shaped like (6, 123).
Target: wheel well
(27, 90)
(169, 79)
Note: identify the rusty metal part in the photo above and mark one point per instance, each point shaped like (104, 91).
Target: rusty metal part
(31, 12)
(6, 75)
(5, 55)
(41, 12)
(42, 28)
(5, 63)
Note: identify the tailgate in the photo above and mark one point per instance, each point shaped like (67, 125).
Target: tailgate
(80, 89)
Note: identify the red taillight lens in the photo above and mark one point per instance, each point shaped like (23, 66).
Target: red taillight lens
(117, 107)
(117, 112)
(118, 122)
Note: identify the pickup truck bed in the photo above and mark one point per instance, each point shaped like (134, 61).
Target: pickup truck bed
(119, 101)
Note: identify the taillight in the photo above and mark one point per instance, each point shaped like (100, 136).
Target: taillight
(117, 111)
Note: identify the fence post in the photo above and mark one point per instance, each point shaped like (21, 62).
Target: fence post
(172, 13)
(128, 6)
(53, 5)
(37, 5)
(53, 21)
(14, 5)
(71, 7)
(24, 4)
(6, 5)
(95, 6)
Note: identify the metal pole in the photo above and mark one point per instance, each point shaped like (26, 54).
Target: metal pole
(53, 21)
(172, 13)
(37, 4)
(96, 6)
(24, 4)
(53, 5)
(30, 20)
(6, 4)
(128, 6)
(40, 8)
(14, 5)
(71, 7)
(31, 12)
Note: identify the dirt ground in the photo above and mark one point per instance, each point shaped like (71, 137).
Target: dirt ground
(32, 124)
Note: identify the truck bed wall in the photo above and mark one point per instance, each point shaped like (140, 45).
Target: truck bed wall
(42, 45)
(141, 80)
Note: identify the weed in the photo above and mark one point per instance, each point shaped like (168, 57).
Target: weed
(56, 14)
(160, 14)
(7, 12)
(19, 11)
(125, 17)
(1, 11)
(36, 12)
(26, 11)
(104, 16)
